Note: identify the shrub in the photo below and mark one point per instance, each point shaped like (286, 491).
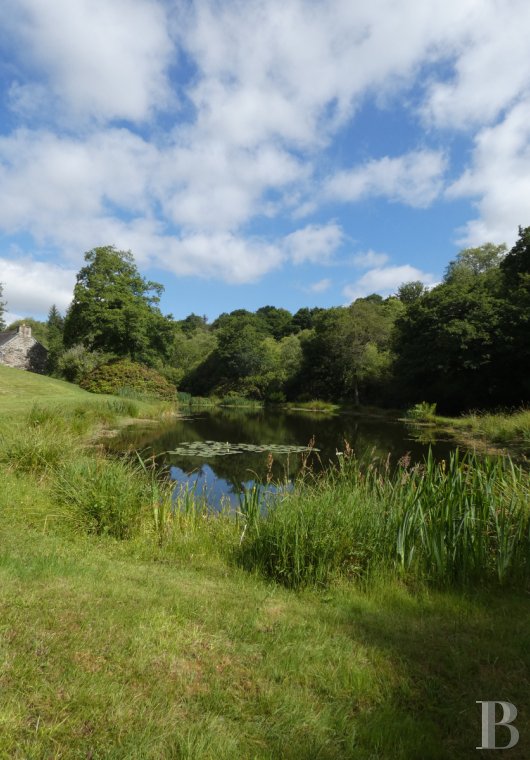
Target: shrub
(78, 361)
(127, 378)
(423, 412)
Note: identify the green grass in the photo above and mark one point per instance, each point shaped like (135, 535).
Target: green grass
(105, 655)
(506, 429)
(20, 391)
(129, 630)
(465, 521)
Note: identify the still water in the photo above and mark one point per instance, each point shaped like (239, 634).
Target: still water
(221, 451)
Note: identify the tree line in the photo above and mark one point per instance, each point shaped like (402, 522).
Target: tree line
(463, 344)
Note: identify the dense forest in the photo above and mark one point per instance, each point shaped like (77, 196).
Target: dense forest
(462, 344)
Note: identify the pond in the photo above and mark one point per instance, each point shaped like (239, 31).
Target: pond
(220, 451)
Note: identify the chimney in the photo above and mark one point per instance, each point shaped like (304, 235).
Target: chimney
(24, 331)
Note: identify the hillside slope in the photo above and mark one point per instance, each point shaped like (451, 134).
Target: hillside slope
(20, 389)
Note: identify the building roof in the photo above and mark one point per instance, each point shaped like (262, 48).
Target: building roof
(5, 337)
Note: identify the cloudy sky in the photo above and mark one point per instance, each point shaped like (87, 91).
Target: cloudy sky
(286, 152)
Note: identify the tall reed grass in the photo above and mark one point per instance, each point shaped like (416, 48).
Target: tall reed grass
(105, 496)
(451, 523)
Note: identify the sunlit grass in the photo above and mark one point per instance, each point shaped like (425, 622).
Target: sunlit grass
(457, 522)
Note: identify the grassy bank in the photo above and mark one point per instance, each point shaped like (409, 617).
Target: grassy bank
(132, 626)
(504, 429)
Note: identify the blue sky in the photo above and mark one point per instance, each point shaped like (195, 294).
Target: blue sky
(286, 152)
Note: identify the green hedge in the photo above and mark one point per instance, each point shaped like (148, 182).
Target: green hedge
(124, 377)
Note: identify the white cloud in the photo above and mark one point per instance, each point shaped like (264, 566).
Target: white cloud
(314, 243)
(385, 281)
(99, 59)
(491, 68)
(31, 287)
(320, 286)
(499, 177)
(368, 259)
(223, 255)
(269, 84)
(284, 70)
(414, 178)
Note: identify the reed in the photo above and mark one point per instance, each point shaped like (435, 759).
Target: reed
(465, 521)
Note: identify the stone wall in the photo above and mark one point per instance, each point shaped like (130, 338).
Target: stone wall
(24, 352)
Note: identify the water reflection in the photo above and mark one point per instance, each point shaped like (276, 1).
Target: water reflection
(225, 477)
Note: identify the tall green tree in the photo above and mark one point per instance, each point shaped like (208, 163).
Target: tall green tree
(2, 309)
(471, 262)
(115, 310)
(349, 353)
(411, 291)
(240, 346)
(55, 331)
(514, 353)
(279, 322)
(448, 341)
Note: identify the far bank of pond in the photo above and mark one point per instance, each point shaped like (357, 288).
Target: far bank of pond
(220, 451)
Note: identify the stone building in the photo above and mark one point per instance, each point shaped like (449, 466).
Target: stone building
(19, 349)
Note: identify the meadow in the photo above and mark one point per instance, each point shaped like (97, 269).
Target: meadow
(360, 616)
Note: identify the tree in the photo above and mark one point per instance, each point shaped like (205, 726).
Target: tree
(475, 261)
(115, 310)
(305, 318)
(2, 309)
(240, 349)
(55, 331)
(448, 340)
(192, 323)
(279, 322)
(514, 353)
(411, 291)
(350, 349)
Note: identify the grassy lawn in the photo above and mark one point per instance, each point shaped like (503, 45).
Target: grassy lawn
(106, 655)
(132, 649)
(19, 389)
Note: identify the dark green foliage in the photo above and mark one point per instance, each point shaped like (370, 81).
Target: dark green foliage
(2, 308)
(192, 323)
(116, 311)
(349, 352)
(465, 343)
(127, 377)
(514, 350)
(279, 322)
(305, 318)
(55, 329)
(240, 346)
